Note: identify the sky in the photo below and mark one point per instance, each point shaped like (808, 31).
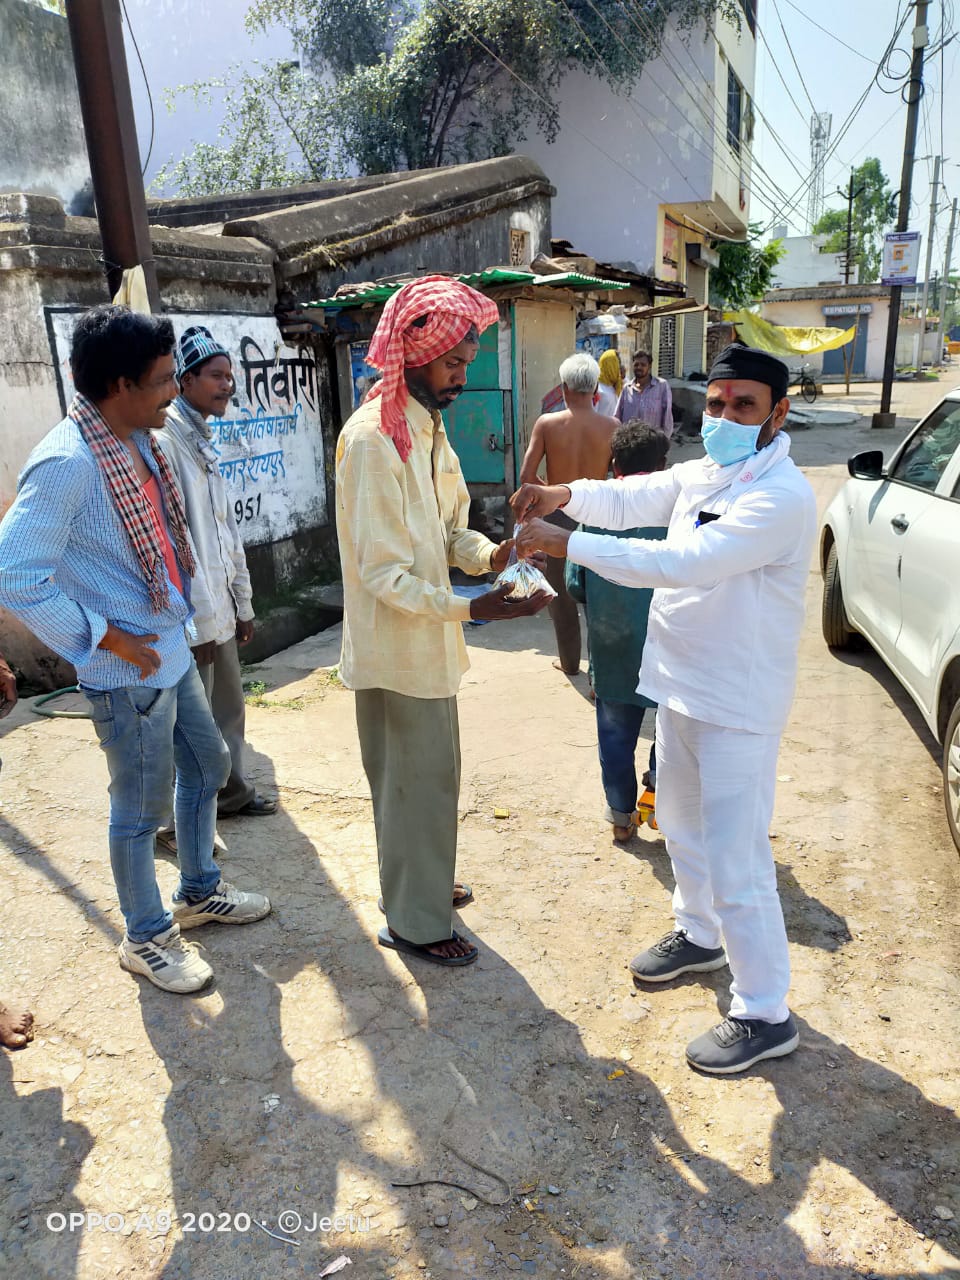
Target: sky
(835, 77)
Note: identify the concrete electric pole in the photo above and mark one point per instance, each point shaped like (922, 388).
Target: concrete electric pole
(106, 104)
(920, 38)
(931, 232)
(946, 283)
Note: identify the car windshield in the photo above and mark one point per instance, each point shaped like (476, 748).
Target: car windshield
(928, 454)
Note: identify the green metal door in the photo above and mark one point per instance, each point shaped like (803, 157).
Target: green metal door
(474, 421)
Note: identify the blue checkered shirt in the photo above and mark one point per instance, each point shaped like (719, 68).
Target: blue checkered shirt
(67, 567)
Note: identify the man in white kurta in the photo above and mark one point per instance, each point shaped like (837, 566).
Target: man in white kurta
(720, 661)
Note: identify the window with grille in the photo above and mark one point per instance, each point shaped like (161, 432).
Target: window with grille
(749, 8)
(667, 347)
(519, 247)
(734, 109)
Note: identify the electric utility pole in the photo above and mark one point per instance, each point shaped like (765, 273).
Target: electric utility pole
(885, 418)
(946, 283)
(849, 195)
(106, 104)
(931, 231)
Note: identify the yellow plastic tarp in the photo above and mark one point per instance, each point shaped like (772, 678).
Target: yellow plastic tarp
(786, 340)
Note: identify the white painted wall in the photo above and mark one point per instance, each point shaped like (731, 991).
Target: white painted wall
(803, 265)
(809, 313)
(619, 158)
(270, 446)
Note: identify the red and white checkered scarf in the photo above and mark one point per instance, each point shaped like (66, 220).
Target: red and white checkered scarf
(451, 309)
(133, 505)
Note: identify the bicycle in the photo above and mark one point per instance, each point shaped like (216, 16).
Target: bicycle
(804, 379)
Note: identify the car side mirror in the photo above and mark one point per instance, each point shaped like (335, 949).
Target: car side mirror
(867, 465)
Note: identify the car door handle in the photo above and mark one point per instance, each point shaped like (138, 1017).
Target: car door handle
(900, 523)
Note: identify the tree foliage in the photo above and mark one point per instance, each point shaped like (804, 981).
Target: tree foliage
(422, 83)
(745, 272)
(874, 211)
(275, 133)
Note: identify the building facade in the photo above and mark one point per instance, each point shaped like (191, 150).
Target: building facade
(647, 179)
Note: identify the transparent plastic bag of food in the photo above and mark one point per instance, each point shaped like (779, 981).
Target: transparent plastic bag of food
(525, 578)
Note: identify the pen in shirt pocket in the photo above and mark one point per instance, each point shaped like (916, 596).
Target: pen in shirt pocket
(705, 517)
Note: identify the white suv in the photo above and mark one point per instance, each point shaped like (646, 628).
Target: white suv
(890, 558)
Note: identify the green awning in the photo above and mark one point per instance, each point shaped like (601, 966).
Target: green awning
(491, 277)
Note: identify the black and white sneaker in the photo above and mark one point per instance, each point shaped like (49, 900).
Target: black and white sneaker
(226, 905)
(737, 1043)
(675, 954)
(168, 961)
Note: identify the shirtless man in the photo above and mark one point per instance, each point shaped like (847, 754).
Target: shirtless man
(576, 445)
(16, 1023)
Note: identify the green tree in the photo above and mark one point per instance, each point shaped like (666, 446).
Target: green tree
(745, 272)
(276, 132)
(874, 211)
(421, 84)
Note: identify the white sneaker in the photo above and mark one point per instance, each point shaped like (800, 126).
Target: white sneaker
(168, 961)
(226, 905)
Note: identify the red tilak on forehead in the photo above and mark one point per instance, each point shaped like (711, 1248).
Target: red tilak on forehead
(726, 390)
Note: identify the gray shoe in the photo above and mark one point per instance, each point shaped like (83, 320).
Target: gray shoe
(226, 905)
(675, 954)
(737, 1043)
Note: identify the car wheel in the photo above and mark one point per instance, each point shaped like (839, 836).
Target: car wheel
(833, 616)
(951, 772)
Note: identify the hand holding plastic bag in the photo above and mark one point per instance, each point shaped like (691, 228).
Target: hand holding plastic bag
(525, 578)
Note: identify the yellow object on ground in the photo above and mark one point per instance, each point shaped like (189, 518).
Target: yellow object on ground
(786, 340)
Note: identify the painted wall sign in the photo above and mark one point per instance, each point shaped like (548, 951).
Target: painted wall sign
(852, 309)
(270, 446)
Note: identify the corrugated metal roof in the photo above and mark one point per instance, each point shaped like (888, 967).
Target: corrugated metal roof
(488, 278)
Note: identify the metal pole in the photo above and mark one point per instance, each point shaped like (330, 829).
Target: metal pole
(108, 121)
(946, 283)
(885, 418)
(848, 364)
(931, 231)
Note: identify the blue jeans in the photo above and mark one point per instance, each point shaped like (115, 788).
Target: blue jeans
(146, 734)
(618, 728)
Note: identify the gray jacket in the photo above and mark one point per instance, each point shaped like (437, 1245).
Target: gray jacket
(221, 591)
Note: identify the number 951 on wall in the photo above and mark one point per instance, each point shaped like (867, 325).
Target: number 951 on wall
(245, 511)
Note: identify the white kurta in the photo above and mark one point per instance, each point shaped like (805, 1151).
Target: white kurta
(720, 659)
(728, 604)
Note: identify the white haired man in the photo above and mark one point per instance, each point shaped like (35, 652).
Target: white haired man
(575, 442)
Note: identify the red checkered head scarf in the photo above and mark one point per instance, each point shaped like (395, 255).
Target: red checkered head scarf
(452, 309)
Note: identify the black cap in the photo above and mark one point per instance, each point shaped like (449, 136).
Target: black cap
(753, 365)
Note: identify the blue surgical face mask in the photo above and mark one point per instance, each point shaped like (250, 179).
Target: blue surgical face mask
(727, 442)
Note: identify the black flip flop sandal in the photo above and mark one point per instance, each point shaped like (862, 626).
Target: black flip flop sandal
(386, 939)
(459, 899)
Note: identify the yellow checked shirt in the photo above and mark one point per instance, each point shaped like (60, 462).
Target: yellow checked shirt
(400, 525)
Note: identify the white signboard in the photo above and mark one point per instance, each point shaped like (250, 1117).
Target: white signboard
(271, 446)
(864, 309)
(901, 255)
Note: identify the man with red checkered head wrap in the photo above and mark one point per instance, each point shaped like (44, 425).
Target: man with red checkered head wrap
(402, 507)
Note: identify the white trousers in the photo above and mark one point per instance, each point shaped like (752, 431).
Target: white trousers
(715, 793)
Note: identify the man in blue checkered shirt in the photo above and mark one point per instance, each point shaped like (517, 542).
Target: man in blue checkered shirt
(95, 559)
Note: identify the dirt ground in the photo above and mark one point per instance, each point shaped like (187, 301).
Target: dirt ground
(542, 1103)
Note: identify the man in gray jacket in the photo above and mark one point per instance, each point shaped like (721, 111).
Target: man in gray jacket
(222, 595)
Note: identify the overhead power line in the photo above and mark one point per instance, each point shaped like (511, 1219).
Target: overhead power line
(813, 105)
